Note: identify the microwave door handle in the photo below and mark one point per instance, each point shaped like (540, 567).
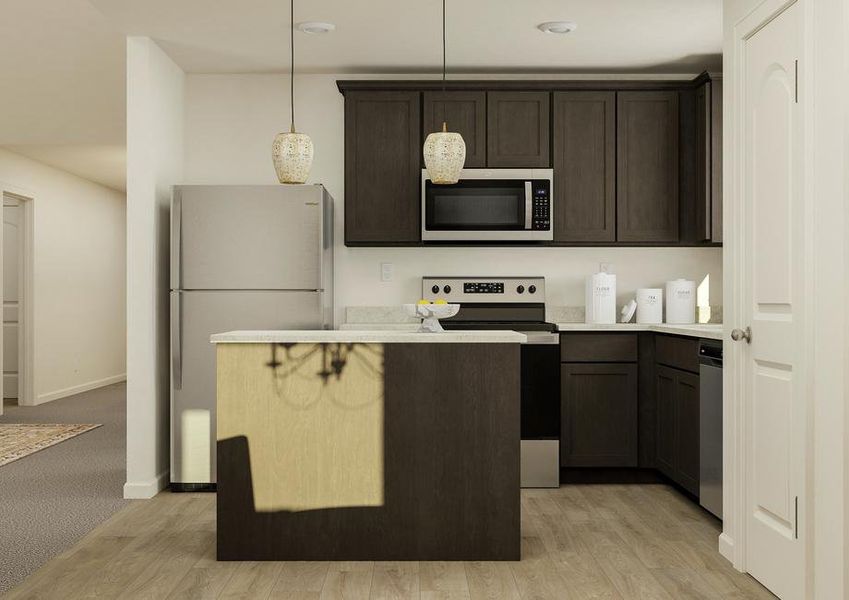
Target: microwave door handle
(529, 198)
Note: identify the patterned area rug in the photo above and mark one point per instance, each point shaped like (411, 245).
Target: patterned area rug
(19, 440)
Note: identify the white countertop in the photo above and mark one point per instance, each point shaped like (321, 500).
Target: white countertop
(332, 336)
(711, 331)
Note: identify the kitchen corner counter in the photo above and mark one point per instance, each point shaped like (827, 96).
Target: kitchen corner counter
(711, 331)
(366, 337)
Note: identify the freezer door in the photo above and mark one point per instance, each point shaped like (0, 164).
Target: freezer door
(196, 316)
(247, 237)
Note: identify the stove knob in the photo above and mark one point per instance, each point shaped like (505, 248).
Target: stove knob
(532, 289)
(435, 289)
(447, 289)
(521, 289)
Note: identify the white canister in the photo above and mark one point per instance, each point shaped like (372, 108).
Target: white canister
(601, 298)
(649, 305)
(681, 301)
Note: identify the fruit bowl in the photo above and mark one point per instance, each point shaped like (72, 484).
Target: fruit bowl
(430, 315)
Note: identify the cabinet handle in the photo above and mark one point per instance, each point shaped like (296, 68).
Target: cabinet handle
(742, 334)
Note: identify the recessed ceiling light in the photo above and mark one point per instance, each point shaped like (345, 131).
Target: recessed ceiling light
(557, 26)
(316, 27)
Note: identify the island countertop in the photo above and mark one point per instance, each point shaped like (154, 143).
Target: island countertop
(335, 336)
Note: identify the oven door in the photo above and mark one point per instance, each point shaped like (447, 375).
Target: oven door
(486, 210)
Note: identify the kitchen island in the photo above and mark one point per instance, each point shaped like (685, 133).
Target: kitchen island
(368, 445)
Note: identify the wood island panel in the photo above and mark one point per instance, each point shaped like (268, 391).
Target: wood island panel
(411, 453)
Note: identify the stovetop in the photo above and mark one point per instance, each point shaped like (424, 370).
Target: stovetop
(491, 303)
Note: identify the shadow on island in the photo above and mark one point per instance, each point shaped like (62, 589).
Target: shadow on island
(450, 471)
(413, 524)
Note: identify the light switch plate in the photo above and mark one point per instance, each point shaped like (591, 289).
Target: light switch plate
(387, 270)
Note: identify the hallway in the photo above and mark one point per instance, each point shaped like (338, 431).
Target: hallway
(51, 499)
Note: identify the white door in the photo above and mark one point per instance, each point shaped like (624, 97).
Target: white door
(11, 305)
(773, 251)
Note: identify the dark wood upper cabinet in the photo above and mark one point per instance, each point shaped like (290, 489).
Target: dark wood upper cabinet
(647, 166)
(599, 415)
(382, 167)
(465, 113)
(518, 131)
(716, 159)
(584, 134)
(703, 163)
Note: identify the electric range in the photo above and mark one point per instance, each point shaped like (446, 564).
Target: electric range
(518, 304)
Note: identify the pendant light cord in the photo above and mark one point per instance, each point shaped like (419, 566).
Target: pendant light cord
(443, 45)
(292, 63)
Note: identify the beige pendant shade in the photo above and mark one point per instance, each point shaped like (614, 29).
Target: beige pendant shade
(444, 156)
(292, 152)
(292, 155)
(444, 151)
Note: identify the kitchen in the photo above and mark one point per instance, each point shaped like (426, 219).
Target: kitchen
(623, 177)
(648, 225)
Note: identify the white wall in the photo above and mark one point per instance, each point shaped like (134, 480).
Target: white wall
(230, 121)
(154, 164)
(79, 247)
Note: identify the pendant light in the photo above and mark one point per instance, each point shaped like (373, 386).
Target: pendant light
(444, 151)
(292, 152)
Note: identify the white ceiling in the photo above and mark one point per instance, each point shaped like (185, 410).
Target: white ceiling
(62, 84)
(404, 36)
(62, 62)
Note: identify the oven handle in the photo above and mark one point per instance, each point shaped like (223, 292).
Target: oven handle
(529, 203)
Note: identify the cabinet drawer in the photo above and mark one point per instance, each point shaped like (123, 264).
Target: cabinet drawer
(678, 352)
(598, 347)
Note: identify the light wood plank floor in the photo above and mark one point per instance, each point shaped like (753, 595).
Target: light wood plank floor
(581, 541)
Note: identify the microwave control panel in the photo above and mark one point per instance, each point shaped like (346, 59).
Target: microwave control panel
(541, 218)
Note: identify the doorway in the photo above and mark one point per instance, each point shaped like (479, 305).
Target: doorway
(769, 376)
(15, 349)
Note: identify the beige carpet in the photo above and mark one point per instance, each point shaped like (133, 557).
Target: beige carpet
(22, 439)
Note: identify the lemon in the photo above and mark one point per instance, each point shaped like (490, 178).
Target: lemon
(440, 301)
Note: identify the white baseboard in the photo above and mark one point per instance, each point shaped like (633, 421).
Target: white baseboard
(143, 490)
(726, 547)
(78, 389)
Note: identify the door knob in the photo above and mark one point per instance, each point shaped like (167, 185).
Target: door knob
(742, 334)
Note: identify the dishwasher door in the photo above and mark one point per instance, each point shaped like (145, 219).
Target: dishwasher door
(710, 427)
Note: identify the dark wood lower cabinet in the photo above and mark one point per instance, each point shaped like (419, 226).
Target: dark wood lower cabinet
(687, 447)
(599, 415)
(677, 456)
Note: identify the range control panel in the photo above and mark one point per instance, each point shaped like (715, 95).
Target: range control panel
(484, 289)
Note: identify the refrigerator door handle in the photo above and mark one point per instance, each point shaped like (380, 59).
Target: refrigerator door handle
(176, 238)
(177, 340)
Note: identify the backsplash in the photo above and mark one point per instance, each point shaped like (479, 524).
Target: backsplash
(390, 315)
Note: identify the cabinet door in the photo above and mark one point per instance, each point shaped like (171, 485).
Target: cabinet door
(647, 167)
(716, 159)
(584, 166)
(703, 163)
(382, 167)
(599, 415)
(687, 431)
(517, 131)
(465, 113)
(666, 418)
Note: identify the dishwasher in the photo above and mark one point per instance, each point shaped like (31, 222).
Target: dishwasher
(710, 426)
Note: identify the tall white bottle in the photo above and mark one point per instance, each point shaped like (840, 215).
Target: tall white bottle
(601, 299)
(681, 301)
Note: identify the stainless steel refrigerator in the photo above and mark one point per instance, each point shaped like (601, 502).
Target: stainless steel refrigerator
(242, 257)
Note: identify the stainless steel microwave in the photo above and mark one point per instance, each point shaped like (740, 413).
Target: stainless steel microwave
(489, 205)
